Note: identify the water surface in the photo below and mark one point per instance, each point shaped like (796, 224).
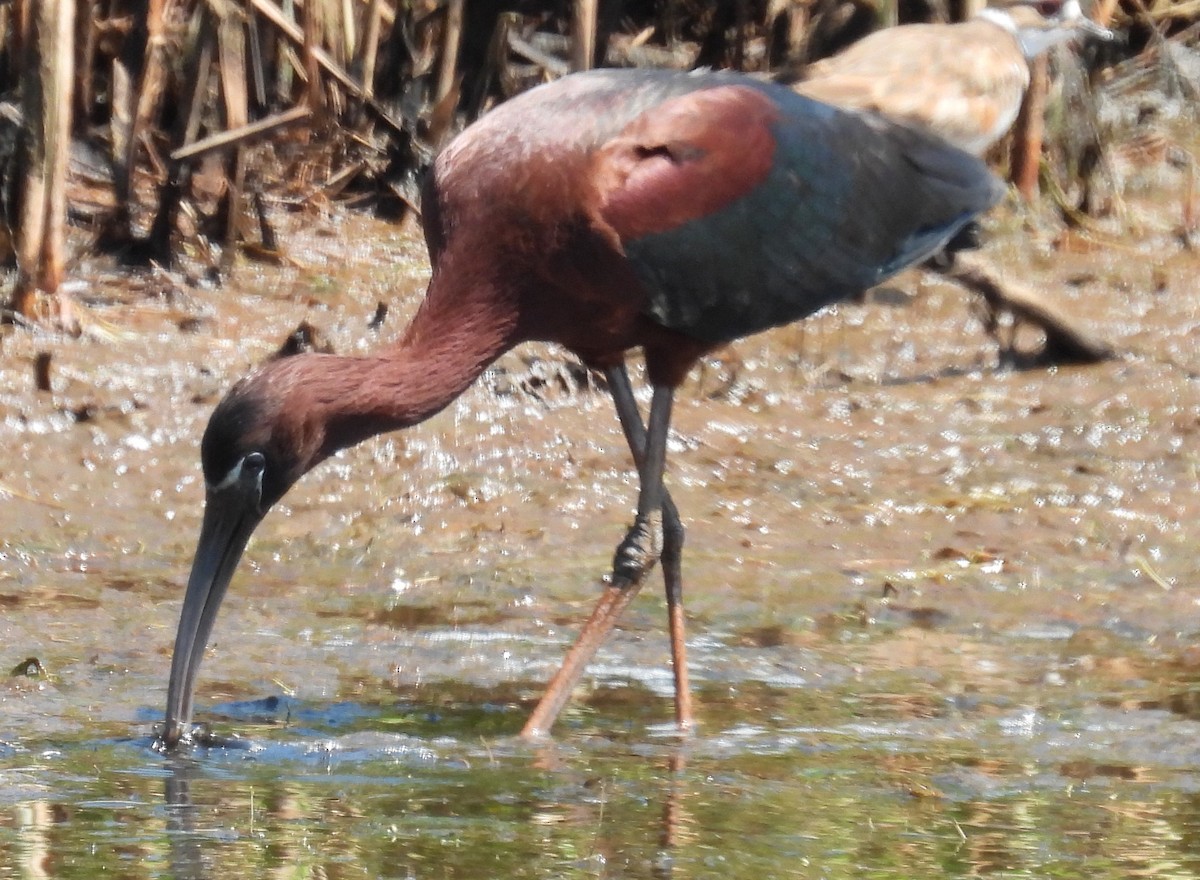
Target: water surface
(942, 615)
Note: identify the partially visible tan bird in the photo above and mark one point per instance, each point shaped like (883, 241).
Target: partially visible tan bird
(965, 81)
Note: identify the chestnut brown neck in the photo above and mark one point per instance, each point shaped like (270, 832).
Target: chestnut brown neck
(451, 341)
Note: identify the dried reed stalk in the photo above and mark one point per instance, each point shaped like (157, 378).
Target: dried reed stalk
(1029, 131)
(583, 34)
(46, 41)
(448, 71)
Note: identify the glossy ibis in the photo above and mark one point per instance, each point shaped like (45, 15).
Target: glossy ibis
(610, 210)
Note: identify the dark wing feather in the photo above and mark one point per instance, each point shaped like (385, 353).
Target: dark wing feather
(848, 199)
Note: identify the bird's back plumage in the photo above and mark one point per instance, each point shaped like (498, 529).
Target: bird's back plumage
(737, 204)
(845, 201)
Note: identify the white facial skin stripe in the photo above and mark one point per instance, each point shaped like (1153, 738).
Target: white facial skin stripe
(234, 477)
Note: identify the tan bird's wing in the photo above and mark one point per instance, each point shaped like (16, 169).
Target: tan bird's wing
(964, 82)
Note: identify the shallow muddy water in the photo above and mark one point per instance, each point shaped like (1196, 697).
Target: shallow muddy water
(943, 616)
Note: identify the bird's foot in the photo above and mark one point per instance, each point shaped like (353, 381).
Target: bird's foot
(192, 736)
(640, 550)
(178, 737)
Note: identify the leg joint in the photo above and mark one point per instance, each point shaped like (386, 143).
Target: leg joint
(640, 551)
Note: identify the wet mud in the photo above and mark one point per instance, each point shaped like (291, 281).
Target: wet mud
(943, 612)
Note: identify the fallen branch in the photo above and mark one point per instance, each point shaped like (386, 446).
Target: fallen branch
(1065, 343)
(233, 137)
(549, 63)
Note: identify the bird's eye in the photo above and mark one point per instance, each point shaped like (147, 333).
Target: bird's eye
(254, 464)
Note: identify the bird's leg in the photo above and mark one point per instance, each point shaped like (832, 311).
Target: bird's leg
(635, 556)
(672, 542)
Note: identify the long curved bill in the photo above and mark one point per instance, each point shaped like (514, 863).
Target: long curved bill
(231, 513)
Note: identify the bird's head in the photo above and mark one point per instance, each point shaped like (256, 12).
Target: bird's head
(259, 441)
(1040, 24)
